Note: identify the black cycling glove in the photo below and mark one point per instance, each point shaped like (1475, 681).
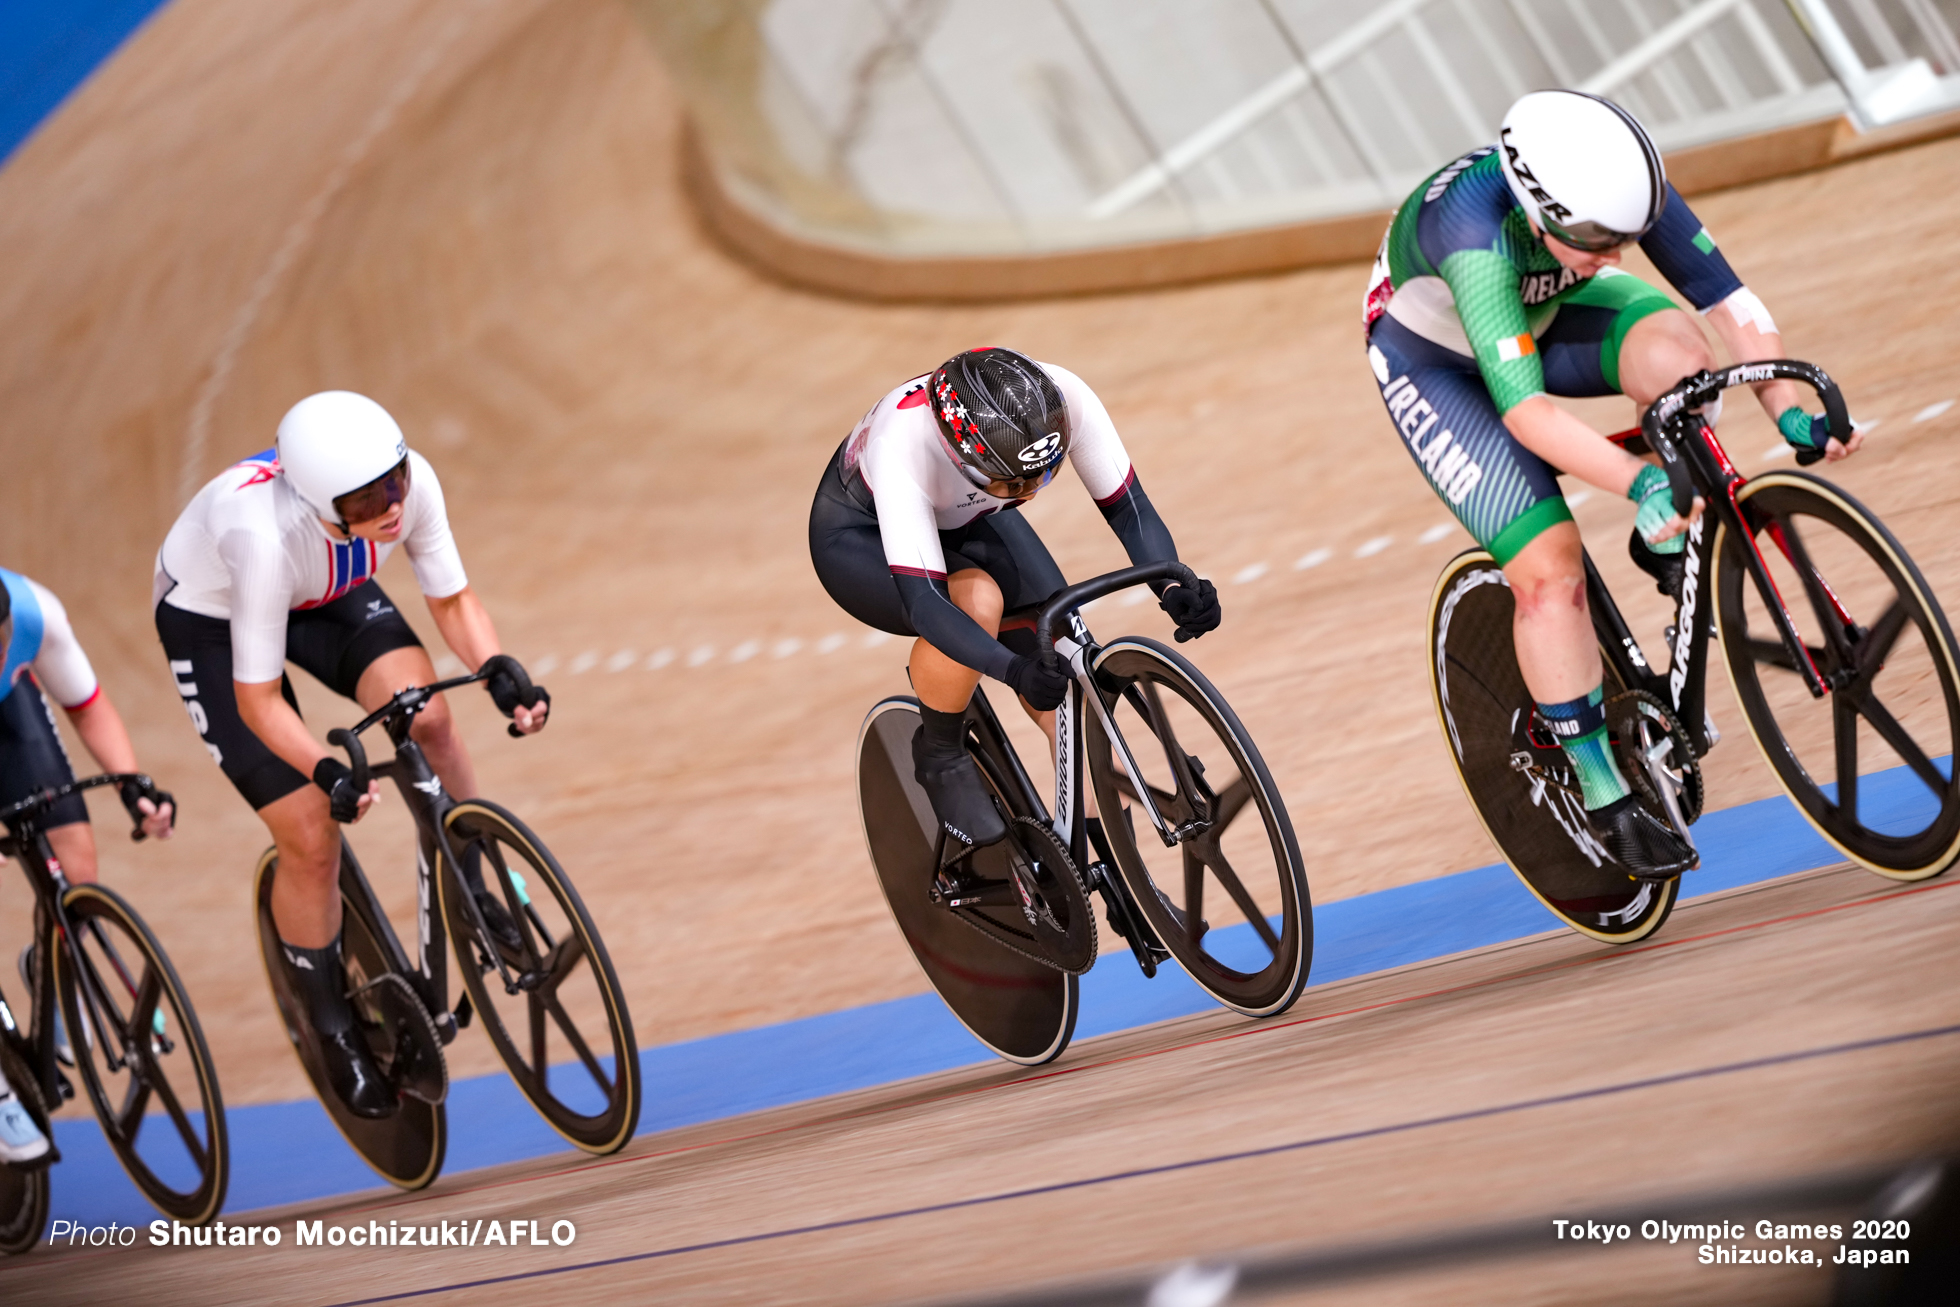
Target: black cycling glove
(506, 693)
(1194, 611)
(343, 800)
(144, 788)
(1043, 682)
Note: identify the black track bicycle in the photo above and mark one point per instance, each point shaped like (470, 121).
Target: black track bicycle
(1840, 657)
(131, 1037)
(551, 1005)
(1201, 865)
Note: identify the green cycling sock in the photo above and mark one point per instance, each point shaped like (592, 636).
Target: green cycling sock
(1580, 727)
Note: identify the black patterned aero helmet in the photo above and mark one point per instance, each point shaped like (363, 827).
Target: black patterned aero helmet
(1002, 420)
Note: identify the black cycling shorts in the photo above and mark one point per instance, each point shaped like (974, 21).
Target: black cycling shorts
(31, 755)
(849, 557)
(335, 642)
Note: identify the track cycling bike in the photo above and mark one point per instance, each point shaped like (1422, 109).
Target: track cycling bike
(1200, 865)
(1840, 657)
(132, 1038)
(552, 994)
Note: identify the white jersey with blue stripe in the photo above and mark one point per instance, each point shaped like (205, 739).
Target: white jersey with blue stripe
(42, 639)
(248, 550)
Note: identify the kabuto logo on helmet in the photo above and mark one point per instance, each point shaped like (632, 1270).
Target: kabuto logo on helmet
(1043, 451)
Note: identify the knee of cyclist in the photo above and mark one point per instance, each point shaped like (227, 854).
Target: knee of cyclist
(1677, 349)
(434, 725)
(979, 597)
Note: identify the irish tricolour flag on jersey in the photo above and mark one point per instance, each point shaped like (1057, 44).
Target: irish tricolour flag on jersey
(1516, 347)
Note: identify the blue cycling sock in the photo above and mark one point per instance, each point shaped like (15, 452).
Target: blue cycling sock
(1580, 727)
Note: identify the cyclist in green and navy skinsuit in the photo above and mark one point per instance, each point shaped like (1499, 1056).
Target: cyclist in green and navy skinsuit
(1497, 287)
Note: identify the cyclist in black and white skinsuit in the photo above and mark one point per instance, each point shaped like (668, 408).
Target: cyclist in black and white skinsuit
(915, 531)
(274, 561)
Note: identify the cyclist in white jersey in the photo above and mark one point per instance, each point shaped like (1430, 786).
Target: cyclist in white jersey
(274, 560)
(41, 658)
(915, 531)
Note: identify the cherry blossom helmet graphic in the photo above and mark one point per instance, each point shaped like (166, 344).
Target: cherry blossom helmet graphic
(1582, 168)
(1001, 419)
(344, 456)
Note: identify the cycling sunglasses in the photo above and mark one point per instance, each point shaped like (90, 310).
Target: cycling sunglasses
(1013, 487)
(1592, 237)
(376, 497)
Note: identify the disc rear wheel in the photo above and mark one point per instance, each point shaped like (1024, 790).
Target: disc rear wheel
(1521, 786)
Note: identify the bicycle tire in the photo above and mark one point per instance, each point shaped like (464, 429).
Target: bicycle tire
(1021, 1010)
(568, 937)
(101, 996)
(1247, 965)
(1540, 829)
(406, 1148)
(1865, 562)
(23, 1190)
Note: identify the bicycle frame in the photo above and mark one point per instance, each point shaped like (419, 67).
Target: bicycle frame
(27, 843)
(1697, 465)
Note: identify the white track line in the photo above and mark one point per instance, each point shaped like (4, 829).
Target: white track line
(1932, 411)
(1312, 558)
(701, 654)
(831, 643)
(1369, 548)
(1247, 575)
(1435, 533)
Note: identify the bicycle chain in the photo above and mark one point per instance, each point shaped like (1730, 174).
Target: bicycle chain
(1625, 725)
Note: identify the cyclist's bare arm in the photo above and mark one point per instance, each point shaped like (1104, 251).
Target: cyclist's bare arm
(468, 631)
(273, 720)
(102, 731)
(1750, 336)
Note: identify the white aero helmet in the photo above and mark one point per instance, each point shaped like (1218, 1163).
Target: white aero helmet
(336, 442)
(1583, 168)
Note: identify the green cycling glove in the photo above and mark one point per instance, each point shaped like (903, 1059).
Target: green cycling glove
(1803, 430)
(1650, 490)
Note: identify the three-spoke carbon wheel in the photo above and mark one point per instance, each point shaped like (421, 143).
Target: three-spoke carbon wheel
(1521, 786)
(1870, 764)
(23, 1190)
(1229, 899)
(565, 1035)
(141, 1056)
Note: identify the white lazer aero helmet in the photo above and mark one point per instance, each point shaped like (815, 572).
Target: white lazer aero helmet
(336, 442)
(1583, 168)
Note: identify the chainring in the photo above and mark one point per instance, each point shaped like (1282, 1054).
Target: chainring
(1048, 918)
(1624, 712)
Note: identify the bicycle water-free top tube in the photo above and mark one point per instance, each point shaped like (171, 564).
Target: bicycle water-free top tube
(1460, 267)
(247, 550)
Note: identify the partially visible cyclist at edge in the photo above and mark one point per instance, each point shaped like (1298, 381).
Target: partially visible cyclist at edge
(272, 560)
(42, 657)
(915, 531)
(1497, 286)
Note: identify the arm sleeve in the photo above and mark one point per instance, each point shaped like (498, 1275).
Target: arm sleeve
(1485, 286)
(431, 547)
(1135, 521)
(1684, 253)
(61, 666)
(1096, 453)
(910, 536)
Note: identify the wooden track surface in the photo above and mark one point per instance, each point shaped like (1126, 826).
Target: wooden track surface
(471, 212)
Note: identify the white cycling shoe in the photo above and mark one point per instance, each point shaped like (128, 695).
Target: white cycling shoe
(21, 1141)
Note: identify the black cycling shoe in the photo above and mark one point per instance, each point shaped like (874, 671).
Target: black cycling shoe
(959, 797)
(1666, 569)
(1647, 847)
(496, 917)
(357, 1082)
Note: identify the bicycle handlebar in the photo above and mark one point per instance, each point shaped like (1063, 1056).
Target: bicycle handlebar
(1075, 596)
(48, 797)
(1691, 392)
(412, 700)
